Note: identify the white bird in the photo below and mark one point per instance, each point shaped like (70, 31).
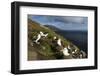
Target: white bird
(45, 35)
(65, 52)
(74, 51)
(82, 54)
(59, 42)
(42, 34)
(38, 38)
(69, 47)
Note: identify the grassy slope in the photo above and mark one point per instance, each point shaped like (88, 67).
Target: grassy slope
(44, 50)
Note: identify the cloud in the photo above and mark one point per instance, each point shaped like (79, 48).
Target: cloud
(71, 19)
(63, 22)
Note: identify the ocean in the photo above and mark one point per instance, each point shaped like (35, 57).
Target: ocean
(79, 38)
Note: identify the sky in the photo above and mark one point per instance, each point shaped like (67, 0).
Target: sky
(75, 23)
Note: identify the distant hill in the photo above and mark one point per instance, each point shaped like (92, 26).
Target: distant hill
(46, 50)
(52, 27)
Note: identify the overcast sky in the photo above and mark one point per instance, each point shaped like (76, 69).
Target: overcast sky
(62, 22)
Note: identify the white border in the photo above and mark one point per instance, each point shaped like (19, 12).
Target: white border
(26, 65)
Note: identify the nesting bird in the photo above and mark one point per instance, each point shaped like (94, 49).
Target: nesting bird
(59, 42)
(38, 38)
(41, 34)
(74, 51)
(82, 54)
(65, 52)
(69, 47)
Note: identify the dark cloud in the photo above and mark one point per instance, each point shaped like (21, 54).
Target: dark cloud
(63, 22)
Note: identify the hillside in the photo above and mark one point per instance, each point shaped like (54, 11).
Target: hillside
(47, 49)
